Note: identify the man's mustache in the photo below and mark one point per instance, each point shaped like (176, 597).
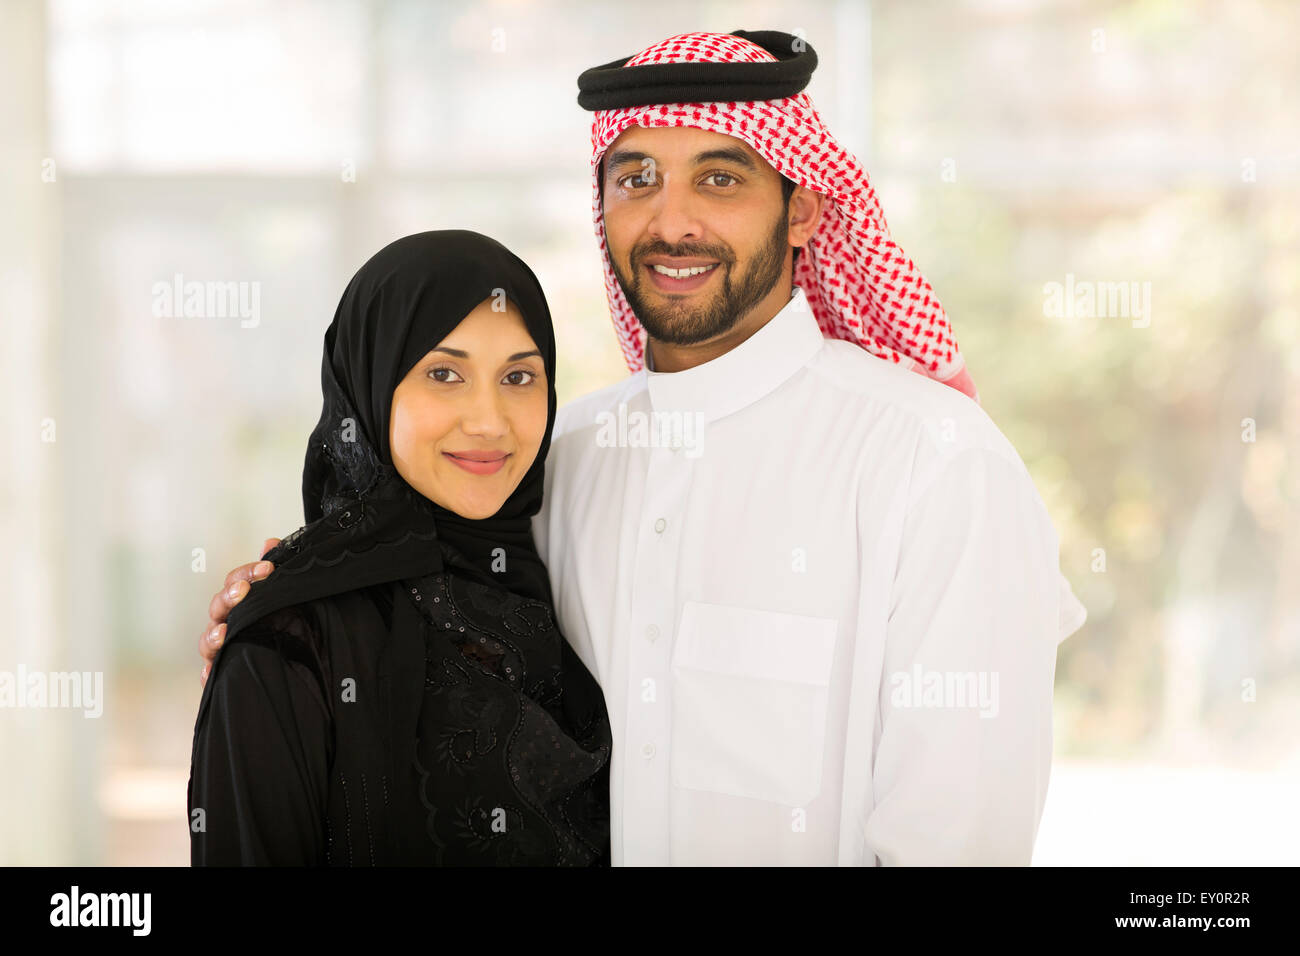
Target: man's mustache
(726, 258)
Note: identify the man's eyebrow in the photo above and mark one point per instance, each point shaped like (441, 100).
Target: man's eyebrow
(459, 354)
(622, 157)
(729, 154)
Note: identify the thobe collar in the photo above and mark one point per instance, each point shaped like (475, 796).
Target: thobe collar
(740, 377)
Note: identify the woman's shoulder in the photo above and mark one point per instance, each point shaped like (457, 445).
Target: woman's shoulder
(308, 641)
(315, 622)
(358, 611)
(285, 638)
(280, 656)
(299, 621)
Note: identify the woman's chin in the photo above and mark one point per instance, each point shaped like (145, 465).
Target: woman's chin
(474, 497)
(474, 504)
(476, 513)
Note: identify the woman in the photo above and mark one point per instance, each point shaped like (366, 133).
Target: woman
(396, 692)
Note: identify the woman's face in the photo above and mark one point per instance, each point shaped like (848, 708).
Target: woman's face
(469, 418)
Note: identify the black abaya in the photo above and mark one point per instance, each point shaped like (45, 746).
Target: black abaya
(396, 692)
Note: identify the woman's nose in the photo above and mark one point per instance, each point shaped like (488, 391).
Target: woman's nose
(484, 416)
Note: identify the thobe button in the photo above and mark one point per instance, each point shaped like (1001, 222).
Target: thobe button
(660, 525)
(651, 632)
(648, 751)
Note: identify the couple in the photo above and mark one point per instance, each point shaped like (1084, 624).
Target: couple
(829, 637)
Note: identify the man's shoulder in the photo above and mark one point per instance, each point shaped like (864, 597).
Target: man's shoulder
(947, 420)
(585, 410)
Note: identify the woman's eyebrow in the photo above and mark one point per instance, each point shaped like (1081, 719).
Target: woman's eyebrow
(514, 358)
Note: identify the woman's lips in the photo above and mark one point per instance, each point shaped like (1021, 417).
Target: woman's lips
(479, 463)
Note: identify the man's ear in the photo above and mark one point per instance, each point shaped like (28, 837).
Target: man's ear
(805, 214)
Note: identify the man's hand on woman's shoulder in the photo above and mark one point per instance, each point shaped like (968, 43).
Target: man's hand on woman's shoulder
(231, 593)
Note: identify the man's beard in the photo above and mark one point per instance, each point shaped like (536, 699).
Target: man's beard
(690, 324)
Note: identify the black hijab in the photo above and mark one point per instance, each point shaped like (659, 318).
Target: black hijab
(365, 524)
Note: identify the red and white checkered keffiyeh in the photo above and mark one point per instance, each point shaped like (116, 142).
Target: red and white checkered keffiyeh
(861, 286)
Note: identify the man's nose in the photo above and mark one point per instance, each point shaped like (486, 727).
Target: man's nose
(677, 214)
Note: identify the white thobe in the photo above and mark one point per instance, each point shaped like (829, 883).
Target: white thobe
(824, 610)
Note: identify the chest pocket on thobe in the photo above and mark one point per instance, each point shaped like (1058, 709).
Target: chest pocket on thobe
(750, 692)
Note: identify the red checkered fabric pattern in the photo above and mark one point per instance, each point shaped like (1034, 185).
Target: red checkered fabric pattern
(861, 286)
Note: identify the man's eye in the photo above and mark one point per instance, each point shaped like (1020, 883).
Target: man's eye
(436, 374)
(627, 181)
(723, 176)
(511, 375)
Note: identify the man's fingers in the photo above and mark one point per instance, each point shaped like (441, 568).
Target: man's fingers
(226, 598)
(254, 571)
(233, 590)
(210, 641)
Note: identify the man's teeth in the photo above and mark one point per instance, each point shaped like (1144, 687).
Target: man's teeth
(682, 273)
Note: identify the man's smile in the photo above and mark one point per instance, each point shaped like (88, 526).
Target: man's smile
(679, 275)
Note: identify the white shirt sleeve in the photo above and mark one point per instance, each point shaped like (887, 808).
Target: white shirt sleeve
(964, 743)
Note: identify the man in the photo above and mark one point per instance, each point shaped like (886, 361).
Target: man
(819, 590)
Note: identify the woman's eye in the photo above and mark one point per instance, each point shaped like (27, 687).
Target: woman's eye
(509, 379)
(437, 374)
